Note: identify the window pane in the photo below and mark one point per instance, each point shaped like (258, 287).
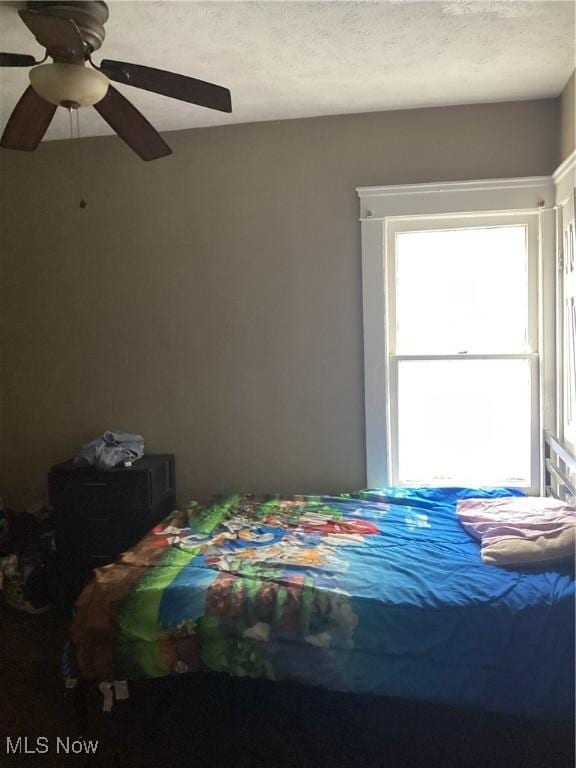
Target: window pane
(462, 290)
(464, 422)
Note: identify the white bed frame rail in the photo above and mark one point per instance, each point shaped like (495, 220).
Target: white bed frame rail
(559, 470)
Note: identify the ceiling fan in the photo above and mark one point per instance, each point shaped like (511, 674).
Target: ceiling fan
(70, 32)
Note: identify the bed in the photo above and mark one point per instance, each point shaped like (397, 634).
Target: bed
(379, 592)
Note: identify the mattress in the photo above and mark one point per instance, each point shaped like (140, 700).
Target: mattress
(378, 592)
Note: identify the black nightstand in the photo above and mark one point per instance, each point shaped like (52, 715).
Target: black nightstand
(99, 514)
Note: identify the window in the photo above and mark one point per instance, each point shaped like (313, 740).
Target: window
(565, 186)
(568, 320)
(459, 291)
(462, 342)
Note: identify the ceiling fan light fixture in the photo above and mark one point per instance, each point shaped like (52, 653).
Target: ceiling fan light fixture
(69, 84)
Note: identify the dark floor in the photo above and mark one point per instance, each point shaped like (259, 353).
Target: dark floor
(218, 722)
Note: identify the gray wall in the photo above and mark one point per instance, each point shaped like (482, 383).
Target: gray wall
(212, 300)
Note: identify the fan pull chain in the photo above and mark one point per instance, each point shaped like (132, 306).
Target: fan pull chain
(77, 158)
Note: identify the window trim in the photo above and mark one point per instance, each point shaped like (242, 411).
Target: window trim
(565, 184)
(379, 205)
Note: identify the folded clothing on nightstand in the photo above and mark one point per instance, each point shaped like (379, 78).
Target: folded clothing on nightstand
(111, 450)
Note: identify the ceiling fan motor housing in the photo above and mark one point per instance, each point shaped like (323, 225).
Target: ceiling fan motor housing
(89, 16)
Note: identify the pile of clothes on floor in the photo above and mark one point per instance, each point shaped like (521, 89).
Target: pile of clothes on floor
(27, 572)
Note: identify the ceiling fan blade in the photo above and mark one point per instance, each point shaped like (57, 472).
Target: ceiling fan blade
(169, 84)
(16, 60)
(54, 33)
(132, 126)
(28, 122)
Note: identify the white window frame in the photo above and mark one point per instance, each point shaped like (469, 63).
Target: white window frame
(565, 186)
(379, 208)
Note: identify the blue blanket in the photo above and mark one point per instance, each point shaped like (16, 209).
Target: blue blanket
(376, 592)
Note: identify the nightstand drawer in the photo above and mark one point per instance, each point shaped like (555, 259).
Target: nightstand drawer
(98, 534)
(100, 491)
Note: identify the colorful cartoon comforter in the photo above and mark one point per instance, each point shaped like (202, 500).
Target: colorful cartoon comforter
(377, 592)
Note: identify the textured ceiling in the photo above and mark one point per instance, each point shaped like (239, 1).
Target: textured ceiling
(300, 59)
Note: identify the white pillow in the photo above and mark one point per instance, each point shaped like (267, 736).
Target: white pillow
(518, 530)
